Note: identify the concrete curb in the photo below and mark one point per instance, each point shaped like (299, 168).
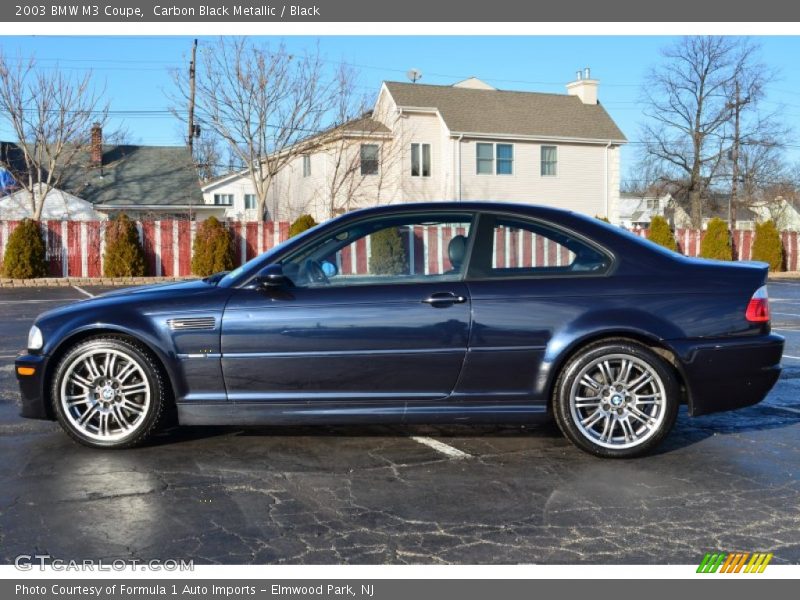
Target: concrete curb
(788, 275)
(70, 281)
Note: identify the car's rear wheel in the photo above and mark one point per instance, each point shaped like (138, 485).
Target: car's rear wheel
(616, 399)
(108, 392)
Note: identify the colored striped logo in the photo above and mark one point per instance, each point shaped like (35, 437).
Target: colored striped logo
(736, 562)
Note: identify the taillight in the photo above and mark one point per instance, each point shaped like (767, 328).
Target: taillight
(758, 307)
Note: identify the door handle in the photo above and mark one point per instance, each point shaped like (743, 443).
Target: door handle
(442, 299)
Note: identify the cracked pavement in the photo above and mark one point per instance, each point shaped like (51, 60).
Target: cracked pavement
(365, 495)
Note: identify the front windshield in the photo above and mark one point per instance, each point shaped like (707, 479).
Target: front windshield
(264, 258)
(233, 275)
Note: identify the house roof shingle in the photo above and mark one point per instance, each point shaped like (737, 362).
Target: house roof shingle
(469, 110)
(365, 124)
(715, 206)
(163, 175)
(130, 175)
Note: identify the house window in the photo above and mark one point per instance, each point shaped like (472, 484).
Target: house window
(249, 201)
(495, 159)
(505, 159)
(420, 160)
(549, 161)
(485, 155)
(369, 159)
(652, 203)
(306, 165)
(223, 199)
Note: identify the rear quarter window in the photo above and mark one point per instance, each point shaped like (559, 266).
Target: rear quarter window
(516, 247)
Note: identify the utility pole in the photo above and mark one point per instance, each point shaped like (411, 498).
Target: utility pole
(736, 106)
(190, 139)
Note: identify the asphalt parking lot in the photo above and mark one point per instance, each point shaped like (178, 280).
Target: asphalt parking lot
(400, 494)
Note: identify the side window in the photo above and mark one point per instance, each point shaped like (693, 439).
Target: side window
(387, 250)
(513, 247)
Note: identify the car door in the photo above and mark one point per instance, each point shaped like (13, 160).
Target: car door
(376, 310)
(529, 281)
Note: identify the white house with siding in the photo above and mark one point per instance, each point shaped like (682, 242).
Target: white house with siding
(637, 210)
(467, 141)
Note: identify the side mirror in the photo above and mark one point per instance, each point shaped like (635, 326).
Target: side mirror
(271, 277)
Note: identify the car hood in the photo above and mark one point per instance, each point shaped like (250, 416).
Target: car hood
(135, 295)
(169, 288)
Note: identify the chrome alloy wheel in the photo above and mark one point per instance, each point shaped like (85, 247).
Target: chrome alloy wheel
(105, 394)
(617, 401)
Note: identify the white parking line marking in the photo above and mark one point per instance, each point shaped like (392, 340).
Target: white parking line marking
(83, 291)
(787, 314)
(792, 357)
(8, 356)
(440, 447)
(36, 301)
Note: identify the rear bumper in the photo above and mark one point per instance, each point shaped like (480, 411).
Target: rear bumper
(32, 386)
(728, 374)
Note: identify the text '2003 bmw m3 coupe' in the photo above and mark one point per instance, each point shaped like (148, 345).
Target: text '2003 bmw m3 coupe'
(419, 313)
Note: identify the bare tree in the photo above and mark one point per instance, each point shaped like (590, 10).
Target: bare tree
(347, 183)
(647, 178)
(51, 114)
(766, 183)
(687, 100)
(208, 154)
(262, 102)
(756, 137)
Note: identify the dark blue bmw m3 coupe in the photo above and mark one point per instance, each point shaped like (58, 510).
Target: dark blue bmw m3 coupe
(458, 312)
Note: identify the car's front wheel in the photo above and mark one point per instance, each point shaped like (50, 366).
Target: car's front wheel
(616, 399)
(108, 392)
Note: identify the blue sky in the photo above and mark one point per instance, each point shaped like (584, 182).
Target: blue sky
(135, 69)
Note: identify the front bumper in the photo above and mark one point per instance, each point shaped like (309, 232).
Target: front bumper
(726, 374)
(34, 396)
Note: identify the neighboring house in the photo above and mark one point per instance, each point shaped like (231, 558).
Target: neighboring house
(785, 212)
(714, 207)
(467, 141)
(142, 181)
(637, 210)
(16, 205)
(233, 194)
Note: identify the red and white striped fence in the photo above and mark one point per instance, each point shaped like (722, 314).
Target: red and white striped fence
(689, 244)
(76, 248)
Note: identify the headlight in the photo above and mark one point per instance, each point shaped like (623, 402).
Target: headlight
(35, 339)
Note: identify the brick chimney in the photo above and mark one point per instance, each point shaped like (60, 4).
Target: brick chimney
(584, 87)
(96, 148)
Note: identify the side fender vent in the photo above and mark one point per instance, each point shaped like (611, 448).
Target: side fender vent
(192, 324)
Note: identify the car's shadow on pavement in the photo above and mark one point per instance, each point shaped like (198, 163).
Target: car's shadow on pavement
(179, 434)
(692, 430)
(688, 431)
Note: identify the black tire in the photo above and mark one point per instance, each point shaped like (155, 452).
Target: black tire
(148, 376)
(582, 426)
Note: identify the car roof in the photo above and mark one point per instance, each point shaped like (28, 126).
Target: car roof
(469, 205)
